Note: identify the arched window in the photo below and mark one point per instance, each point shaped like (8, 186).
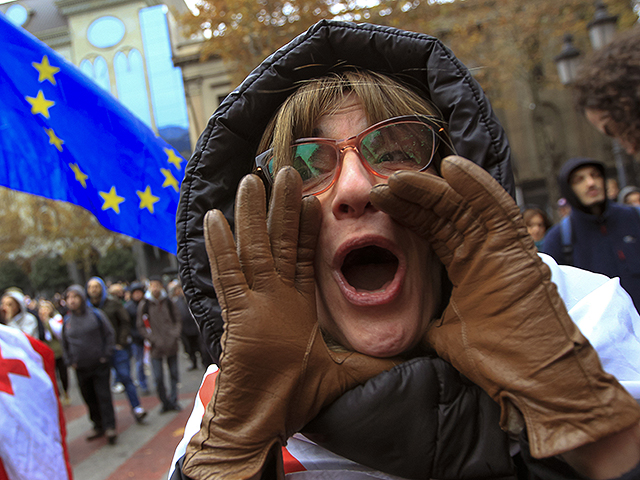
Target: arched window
(131, 85)
(98, 71)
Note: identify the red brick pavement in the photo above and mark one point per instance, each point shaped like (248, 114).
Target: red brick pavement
(150, 457)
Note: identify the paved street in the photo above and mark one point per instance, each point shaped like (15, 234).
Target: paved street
(142, 452)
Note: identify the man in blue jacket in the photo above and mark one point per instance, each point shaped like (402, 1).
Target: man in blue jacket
(598, 235)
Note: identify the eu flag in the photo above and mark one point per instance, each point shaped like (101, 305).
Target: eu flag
(64, 138)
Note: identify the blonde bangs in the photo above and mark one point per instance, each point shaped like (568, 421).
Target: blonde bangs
(381, 98)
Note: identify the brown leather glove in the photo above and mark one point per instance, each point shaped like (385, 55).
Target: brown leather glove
(276, 371)
(506, 328)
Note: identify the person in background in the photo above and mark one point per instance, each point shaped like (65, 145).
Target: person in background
(158, 321)
(15, 314)
(599, 235)
(53, 321)
(629, 195)
(136, 294)
(608, 90)
(612, 189)
(190, 331)
(121, 359)
(88, 342)
(537, 224)
(116, 290)
(59, 303)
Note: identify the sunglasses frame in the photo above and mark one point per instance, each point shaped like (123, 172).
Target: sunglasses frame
(263, 161)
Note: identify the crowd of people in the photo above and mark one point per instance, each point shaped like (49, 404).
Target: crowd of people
(99, 330)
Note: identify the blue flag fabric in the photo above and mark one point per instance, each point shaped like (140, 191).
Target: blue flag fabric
(64, 138)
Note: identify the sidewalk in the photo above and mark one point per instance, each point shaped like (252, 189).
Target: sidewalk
(143, 451)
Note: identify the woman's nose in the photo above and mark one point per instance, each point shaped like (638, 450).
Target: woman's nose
(350, 195)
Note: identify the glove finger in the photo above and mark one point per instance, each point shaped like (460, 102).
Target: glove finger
(425, 204)
(252, 237)
(420, 191)
(226, 272)
(310, 220)
(488, 199)
(428, 191)
(403, 211)
(283, 222)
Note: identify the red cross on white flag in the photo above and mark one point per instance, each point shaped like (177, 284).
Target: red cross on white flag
(8, 366)
(32, 428)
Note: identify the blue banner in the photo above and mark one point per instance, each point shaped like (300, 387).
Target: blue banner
(63, 137)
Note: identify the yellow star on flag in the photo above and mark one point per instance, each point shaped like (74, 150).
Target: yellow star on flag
(39, 104)
(80, 175)
(111, 200)
(147, 199)
(45, 70)
(53, 139)
(169, 179)
(173, 158)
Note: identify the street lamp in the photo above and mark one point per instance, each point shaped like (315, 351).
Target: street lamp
(568, 60)
(602, 28)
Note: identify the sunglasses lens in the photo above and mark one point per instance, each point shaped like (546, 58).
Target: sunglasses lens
(399, 146)
(316, 163)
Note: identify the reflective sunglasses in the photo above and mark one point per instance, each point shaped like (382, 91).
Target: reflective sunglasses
(399, 143)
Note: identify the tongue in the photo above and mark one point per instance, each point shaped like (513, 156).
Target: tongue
(370, 276)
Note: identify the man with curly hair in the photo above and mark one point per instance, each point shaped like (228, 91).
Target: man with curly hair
(608, 90)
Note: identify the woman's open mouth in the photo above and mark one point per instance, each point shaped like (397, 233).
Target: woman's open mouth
(369, 268)
(370, 274)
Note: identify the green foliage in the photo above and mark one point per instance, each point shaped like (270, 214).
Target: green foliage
(13, 275)
(50, 274)
(118, 264)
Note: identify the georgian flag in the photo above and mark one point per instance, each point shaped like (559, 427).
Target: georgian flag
(32, 426)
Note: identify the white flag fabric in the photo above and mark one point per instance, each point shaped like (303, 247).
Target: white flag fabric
(32, 426)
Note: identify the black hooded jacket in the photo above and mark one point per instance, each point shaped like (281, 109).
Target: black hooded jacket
(608, 243)
(422, 419)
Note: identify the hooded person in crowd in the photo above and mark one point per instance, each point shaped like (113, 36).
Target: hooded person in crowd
(629, 195)
(121, 358)
(88, 342)
(15, 314)
(391, 305)
(598, 235)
